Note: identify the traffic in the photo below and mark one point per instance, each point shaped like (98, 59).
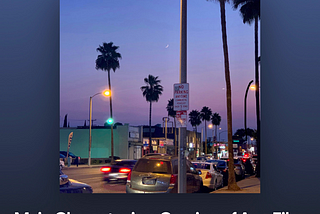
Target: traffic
(152, 173)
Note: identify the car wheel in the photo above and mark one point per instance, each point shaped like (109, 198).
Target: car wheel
(200, 188)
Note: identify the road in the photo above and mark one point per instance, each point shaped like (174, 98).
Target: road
(93, 177)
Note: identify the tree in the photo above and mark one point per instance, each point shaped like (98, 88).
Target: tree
(65, 121)
(232, 185)
(216, 119)
(195, 120)
(108, 60)
(151, 92)
(250, 11)
(172, 113)
(205, 115)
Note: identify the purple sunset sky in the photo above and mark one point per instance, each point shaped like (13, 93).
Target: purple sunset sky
(143, 30)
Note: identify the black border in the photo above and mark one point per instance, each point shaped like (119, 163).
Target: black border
(30, 118)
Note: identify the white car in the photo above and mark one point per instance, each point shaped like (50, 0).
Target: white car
(210, 176)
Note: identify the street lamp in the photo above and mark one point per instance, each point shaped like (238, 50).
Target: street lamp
(220, 133)
(210, 126)
(104, 93)
(245, 107)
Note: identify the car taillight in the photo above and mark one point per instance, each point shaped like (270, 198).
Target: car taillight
(129, 177)
(124, 170)
(208, 175)
(105, 169)
(173, 179)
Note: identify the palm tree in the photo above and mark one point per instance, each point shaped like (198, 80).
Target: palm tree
(232, 185)
(172, 113)
(216, 119)
(108, 59)
(151, 92)
(195, 120)
(205, 115)
(250, 11)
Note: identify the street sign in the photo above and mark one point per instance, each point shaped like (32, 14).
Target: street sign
(181, 97)
(181, 117)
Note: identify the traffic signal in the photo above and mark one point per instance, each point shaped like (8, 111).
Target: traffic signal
(110, 121)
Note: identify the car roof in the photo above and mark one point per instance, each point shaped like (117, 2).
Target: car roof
(159, 157)
(119, 160)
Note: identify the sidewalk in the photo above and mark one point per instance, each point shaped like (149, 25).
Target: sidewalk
(248, 185)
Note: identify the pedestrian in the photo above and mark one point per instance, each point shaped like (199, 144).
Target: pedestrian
(69, 161)
(76, 161)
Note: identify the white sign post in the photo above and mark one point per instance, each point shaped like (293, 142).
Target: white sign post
(181, 97)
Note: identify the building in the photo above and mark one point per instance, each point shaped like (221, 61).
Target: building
(130, 142)
(126, 139)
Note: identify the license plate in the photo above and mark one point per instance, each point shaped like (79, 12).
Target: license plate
(148, 181)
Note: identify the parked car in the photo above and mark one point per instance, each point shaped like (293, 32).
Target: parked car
(159, 174)
(72, 186)
(222, 167)
(211, 177)
(69, 154)
(249, 168)
(239, 168)
(202, 159)
(117, 171)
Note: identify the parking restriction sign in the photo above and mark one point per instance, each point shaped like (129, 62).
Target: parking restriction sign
(181, 97)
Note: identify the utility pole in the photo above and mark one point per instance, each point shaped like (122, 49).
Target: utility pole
(182, 178)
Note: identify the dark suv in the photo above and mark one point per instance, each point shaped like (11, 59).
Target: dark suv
(159, 174)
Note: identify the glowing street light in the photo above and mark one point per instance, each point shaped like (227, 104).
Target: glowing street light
(105, 93)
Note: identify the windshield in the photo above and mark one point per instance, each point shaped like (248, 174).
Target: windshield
(153, 166)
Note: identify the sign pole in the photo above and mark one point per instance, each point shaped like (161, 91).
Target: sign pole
(182, 174)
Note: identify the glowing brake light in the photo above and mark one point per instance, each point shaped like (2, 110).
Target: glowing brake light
(124, 170)
(208, 175)
(105, 169)
(129, 177)
(173, 179)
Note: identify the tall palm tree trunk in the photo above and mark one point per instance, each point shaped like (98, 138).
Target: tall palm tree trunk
(257, 91)
(232, 185)
(150, 143)
(205, 138)
(110, 97)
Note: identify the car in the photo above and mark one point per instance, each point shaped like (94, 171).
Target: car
(155, 154)
(117, 171)
(239, 168)
(108, 160)
(69, 154)
(211, 177)
(202, 159)
(222, 167)
(159, 174)
(72, 186)
(249, 167)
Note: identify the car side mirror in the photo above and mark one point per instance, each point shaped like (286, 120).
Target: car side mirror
(199, 172)
(64, 179)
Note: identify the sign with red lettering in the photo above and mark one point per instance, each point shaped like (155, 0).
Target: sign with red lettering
(181, 97)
